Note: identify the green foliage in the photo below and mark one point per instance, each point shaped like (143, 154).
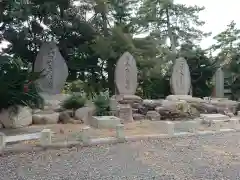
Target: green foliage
(102, 104)
(201, 68)
(74, 102)
(92, 45)
(18, 85)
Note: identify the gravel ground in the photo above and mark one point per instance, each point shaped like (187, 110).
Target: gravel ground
(206, 158)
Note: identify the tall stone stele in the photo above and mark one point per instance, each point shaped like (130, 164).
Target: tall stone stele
(181, 79)
(126, 83)
(219, 83)
(50, 61)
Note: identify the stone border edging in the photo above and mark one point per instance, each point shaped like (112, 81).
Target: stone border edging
(86, 141)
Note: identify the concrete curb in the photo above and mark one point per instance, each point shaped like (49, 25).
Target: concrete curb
(86, 141)
(108, 140)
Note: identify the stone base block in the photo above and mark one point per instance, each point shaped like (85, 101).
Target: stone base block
(208, 118)
(186, 126)
(103, 122)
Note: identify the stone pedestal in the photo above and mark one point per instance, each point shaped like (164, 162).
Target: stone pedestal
(153, 116)
(105, 122)
(125, 113)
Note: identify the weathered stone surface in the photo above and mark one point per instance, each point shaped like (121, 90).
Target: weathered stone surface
(205, 108)
(138, 117)
(181, 80)
(135, 111)
(50, 61)
(129, 99)
(125, 113)
(52, 118)
(11, 120)
(84, 114)
(113, 103)
(152, 104)
(65, 118)
(208, 118)
(126, 74)
(105, 121)
(153, 116)
(186, 98)
(143, 109)
(219, 83)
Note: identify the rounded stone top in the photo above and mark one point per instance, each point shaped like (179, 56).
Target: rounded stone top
(126, 74)
(181, 79)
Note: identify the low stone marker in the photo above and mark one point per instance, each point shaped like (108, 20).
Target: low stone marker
(85, 135)
(187, 126)
(120, 132)
(46, 137)
(208, 118)
(102, 122)
(125, 113)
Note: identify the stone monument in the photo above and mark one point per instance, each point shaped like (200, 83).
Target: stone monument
(181, 79)
(219, 83)
(50, 61)
(126, 75)
(126, 82)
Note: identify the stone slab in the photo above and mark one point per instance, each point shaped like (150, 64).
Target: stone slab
(214, 117)
(23, 137)
(186, 126)
(103, 122)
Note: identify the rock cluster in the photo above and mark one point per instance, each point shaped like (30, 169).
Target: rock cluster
(176, 107)
(51, 114)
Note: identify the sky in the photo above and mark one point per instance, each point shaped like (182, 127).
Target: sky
(217, 15)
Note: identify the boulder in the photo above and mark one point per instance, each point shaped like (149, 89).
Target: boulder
(65, 118)
(228, 104)
(23, 118)
(52, 118)
(205, 107)
(138, 117)
(151, 104)
(153, 116)
(135, 111)
(142, 109)
(187, 98)
(128, 99)
(84, 114)
(172, 114)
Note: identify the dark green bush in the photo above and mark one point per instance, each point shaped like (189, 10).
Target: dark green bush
(102, 104)
(18, 85)
(74, 102)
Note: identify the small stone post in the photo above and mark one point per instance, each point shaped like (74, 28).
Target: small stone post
(85, 135)
(2, 141)
(216, 126)
(170, 128)
(120, 132)
(46, 137)
(238, 113)
(192, 126)
(234, 123)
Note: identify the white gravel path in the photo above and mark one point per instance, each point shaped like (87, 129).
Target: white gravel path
(206, 158)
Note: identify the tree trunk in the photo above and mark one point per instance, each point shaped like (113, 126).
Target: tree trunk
(110, 61)
(170, 33)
